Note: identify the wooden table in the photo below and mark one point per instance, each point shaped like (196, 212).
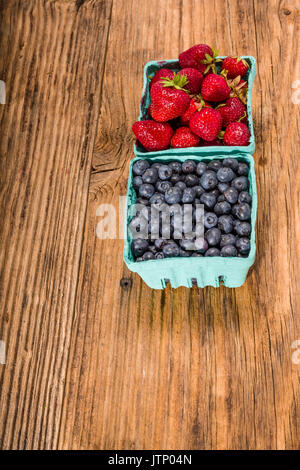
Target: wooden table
(94, 358)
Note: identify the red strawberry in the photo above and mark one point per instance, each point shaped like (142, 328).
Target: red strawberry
(214, 88)
(194, 79)
(206, 123)
(239, 88)
(236, 133)
(235, 66)
(196, 104)
(168, 98)
(162, 73)
(232, 111)
(153, 135)
(194, 57)
(216, 142)
(183, 137)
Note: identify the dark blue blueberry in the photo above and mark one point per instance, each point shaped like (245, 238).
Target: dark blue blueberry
(222, 208)
(196, 255)
(137, 181)
(173, 195)
(181, 185)
(187, 244)
(231, 195)
(243, 169)
(221, 198)
(199, 190)
(210, 220)
(225, 174)
(171, 249)
(244, 196)
(242, 211)
(140, 167)
(157, 201)
(138, 224)
(209, 179)
(214, 165)
(189, 166)
(162, 186)
(159, 243)
(201, 168)
(175, 167)
(240, 183)
(227, 239)
(213, 236)
(231, 163)
(139, 246)
(152, 249)
(146, 190)
(156, 165)
(222, 187)
(188, 196)
(243, 245)
(139, 258)
(201, 245)
(183, 253)
(144, 201)
(150, 176)
(215, 192)
(164, 172)
(191, 180)
(242, 228)
(148, 255)
(208, 199)
(175, 178)
(212, 252)
(225, 223)
(228, 250)
(159, 255)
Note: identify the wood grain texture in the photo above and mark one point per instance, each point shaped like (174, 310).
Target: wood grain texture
(93, 361)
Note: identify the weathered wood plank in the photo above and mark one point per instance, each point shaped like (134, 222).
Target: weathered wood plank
(52, 62)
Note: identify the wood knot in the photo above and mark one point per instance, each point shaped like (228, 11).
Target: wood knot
(126, 283)
(286, 12)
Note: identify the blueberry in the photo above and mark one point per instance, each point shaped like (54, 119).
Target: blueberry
(187, 244)
(231, 195)
(231, 163)
(141, 200)
(150, 176)
(201, 168)
(221, 198)
(212, 252)
(242, 228)
(139, 246)
(164, 172)
(175, 178)
(146, 190)
(240, 183)
(228, 250)
(213, 236)
(148, 255)
(222, 208)
(139, 258)
(152, 249)
(208, 199)
(138, 224)
(162, 186)
(183, 253)
(227, 239)
(137, 181)
(159, 243)
(196, 255)
(159, 255)
(191, 180)
(243, 245)
(188, 196)
(222, 187)
(140, 167)
(225, 174)
(181, 185)
(189, 166)
(209, 180)
(171, 249)
(173, 195)
(175, 167)
(243, 169)
(156, 165)
(214, 165)
(242, 211)
(157, 201)
(201, 245)
(244, 196)
(225, 223)
(199, 190)
(210, 220)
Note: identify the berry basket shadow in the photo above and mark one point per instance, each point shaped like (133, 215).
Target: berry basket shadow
(202, 271)
(151, 68)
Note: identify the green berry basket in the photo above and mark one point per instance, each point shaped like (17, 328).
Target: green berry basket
(149, 70)
(200, 271)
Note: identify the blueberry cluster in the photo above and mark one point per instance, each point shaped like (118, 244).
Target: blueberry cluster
(222, 186)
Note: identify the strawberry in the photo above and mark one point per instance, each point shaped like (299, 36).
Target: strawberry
(169, 99)
(183, 137)
(194, 79)
(195, 56)
(239, 88)
(162, 73)
(235, 66)
(233, 110)
(214, 88)
(206, 123)
(196, 104)
(216, 142)
(153, 135)
(236, 133)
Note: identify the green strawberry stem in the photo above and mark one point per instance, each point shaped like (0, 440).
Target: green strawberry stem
(178, 82)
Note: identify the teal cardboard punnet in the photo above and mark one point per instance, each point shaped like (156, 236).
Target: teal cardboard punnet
(205, 271)
(150, 69)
